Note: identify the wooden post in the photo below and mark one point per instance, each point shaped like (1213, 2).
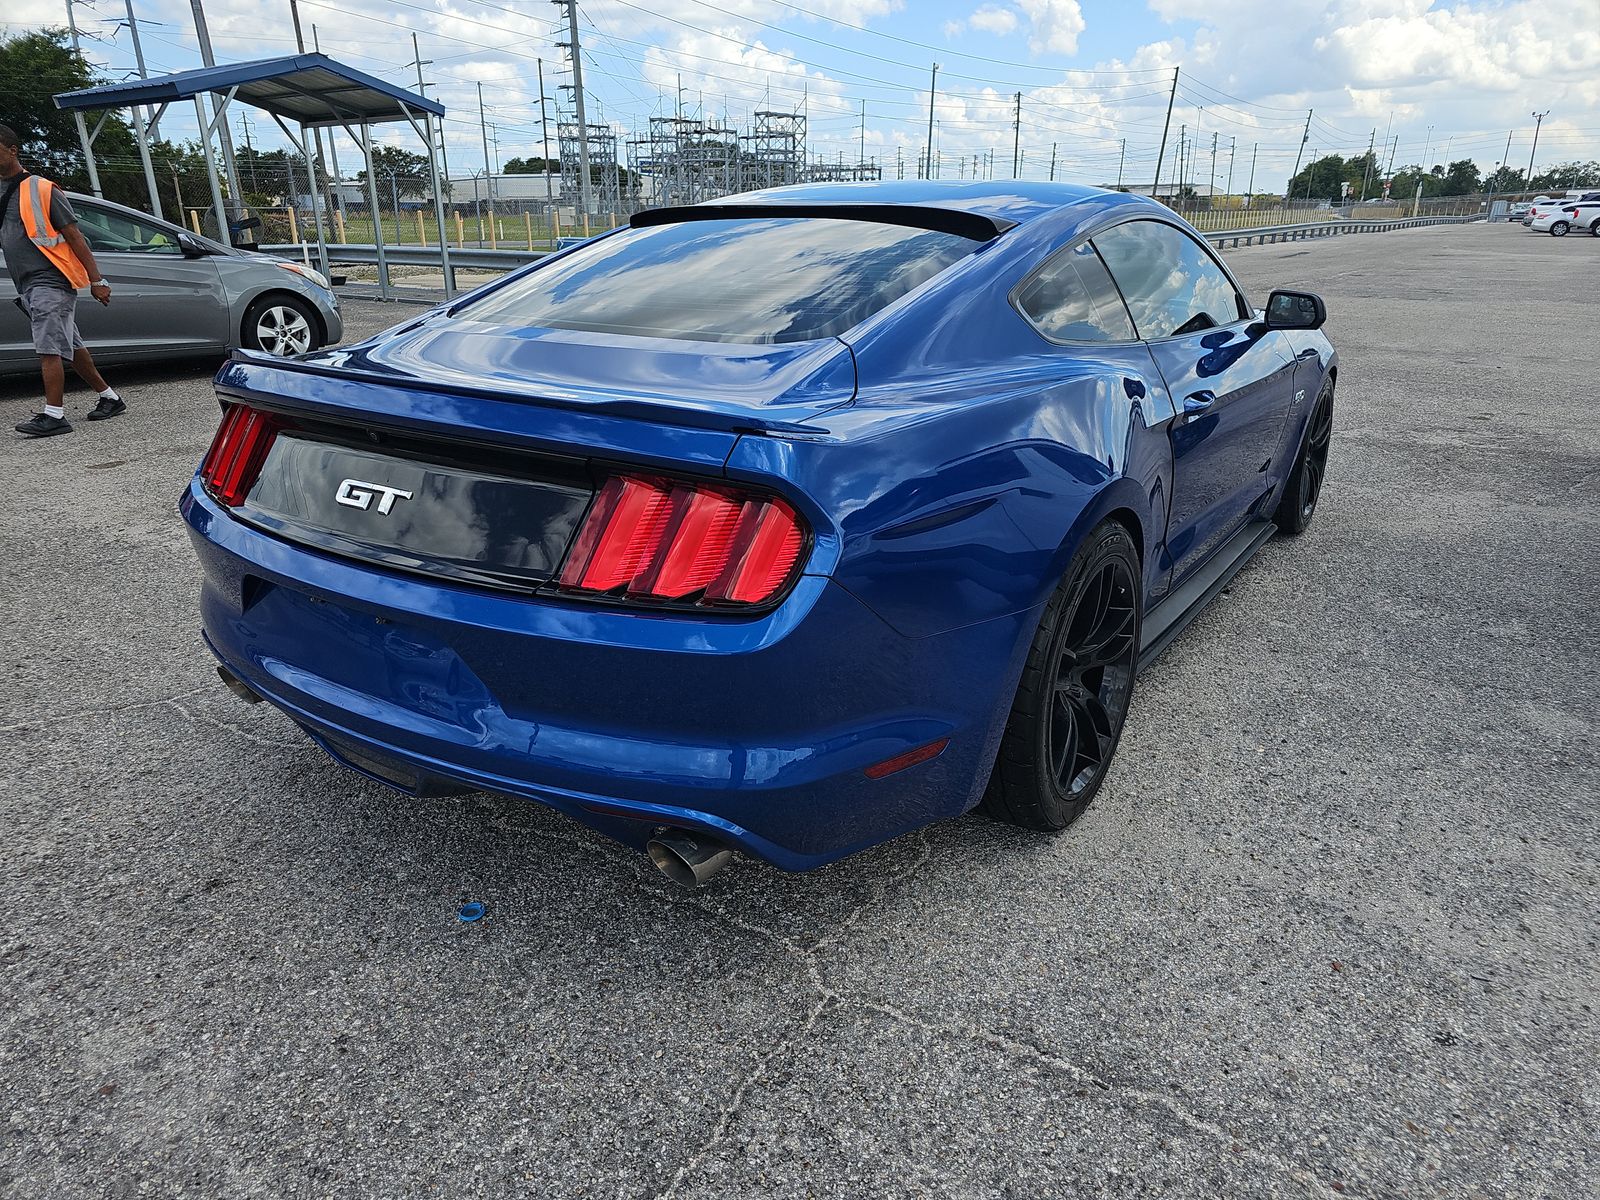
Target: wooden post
(294, 226)
(527, 218)
(555, 228)
(194, 222)
(338, 220)
(461, 232)
(422, 231)
(586, 222)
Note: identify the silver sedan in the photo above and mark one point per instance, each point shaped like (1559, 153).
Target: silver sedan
(175, 295)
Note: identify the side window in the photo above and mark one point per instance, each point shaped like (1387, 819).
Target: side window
(109, 232)
(1072, 299)
(1170, 281)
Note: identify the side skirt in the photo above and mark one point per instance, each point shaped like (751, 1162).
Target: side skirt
(1171, 617)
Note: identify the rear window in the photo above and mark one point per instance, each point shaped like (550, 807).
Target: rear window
(785, 279)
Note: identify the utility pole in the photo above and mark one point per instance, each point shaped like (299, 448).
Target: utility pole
(1162, 153)
(422, 90)
(1183, 139)
(863, 131)
(1211, 187)
(1053, 162)
(1122, 156)
(1371, 143)
(138, 56)
(72, 28)
(544, 126)
(933, 85)
(224, 134)
(1251, 189)
(333, 145)
(1538, 120)
(585, 185)
(1016, 139)
(488, 179)
(1304, 138)
(1233, 146)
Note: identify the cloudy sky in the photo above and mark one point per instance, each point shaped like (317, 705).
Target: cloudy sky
(1445, 78)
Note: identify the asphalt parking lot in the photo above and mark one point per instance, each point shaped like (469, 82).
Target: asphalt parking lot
(1329, 929)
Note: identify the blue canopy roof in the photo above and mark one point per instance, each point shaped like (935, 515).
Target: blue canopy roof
(309, 89)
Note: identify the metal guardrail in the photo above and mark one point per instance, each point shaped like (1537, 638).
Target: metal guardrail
(472, 257)
(1316, 229)
(467, 257)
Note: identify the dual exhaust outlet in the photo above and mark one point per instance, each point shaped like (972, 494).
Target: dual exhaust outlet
(682, 855)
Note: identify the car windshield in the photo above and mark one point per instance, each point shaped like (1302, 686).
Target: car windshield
(780, 279)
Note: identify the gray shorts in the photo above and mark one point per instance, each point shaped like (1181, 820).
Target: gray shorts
(53, 313)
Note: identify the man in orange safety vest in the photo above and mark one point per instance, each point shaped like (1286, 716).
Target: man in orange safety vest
(49, 261)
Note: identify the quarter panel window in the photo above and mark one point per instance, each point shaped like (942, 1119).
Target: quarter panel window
(1072, 299)
(1170, 281)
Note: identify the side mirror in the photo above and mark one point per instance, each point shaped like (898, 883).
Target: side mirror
(190, 247)
(1296, 310)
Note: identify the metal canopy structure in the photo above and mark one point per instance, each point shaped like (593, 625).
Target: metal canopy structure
(312, 91)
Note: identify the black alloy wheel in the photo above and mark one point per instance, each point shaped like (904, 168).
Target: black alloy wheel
(1075, 690)
(1303, 488)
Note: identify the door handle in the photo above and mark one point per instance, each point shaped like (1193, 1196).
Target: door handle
(1196, 404)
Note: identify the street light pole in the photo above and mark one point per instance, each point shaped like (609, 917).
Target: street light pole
(1538, 120)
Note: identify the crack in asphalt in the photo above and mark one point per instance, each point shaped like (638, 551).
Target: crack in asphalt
(827, 998)
(101, 710)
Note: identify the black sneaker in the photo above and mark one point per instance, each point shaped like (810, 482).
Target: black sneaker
(109, 406)
(43, 425)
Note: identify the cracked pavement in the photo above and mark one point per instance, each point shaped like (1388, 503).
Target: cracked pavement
(1328, 930)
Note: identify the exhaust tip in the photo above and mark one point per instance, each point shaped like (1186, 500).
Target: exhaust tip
(237, 686)
(686, 858)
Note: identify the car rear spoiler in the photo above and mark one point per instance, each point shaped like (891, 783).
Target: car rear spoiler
(971, 225)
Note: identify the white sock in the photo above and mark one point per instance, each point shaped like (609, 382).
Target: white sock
(109, 394)
(56, 411)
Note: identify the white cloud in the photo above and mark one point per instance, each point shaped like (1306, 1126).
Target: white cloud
(1056, 25)
(993, 20)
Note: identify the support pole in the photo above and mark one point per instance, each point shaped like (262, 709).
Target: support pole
(933, 86)
(1053, 166)
(1121, 157)
(138, 57)
(211, 171)
(143, 137)
(424, 130)
(1538, 120)
(88, 151)
(384, 291)
(224, 136)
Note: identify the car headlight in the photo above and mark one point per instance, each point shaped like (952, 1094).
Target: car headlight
(305, 272)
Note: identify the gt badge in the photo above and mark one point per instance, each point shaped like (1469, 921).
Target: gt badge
(359, 494)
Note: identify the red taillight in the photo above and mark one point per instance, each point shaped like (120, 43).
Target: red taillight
(237, 452)
(660, 539)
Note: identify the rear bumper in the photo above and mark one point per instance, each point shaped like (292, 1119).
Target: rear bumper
(757, 730)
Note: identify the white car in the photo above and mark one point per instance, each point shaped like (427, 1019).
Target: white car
(1559, 217)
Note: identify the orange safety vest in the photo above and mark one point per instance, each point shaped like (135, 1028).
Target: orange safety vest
(33, 203)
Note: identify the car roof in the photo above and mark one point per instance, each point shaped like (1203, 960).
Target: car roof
(1009, 201)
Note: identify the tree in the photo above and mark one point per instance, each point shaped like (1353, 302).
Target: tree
(530, 166)
(1567, 175)
(408, 170)
(1461, 179)
(1506, 179)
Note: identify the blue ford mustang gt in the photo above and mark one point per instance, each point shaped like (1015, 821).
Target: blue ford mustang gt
(784, 523)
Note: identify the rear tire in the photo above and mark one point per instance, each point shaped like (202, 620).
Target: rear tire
(1559, 229)
(1303, 488)
(282, 325)
(1075, 689)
